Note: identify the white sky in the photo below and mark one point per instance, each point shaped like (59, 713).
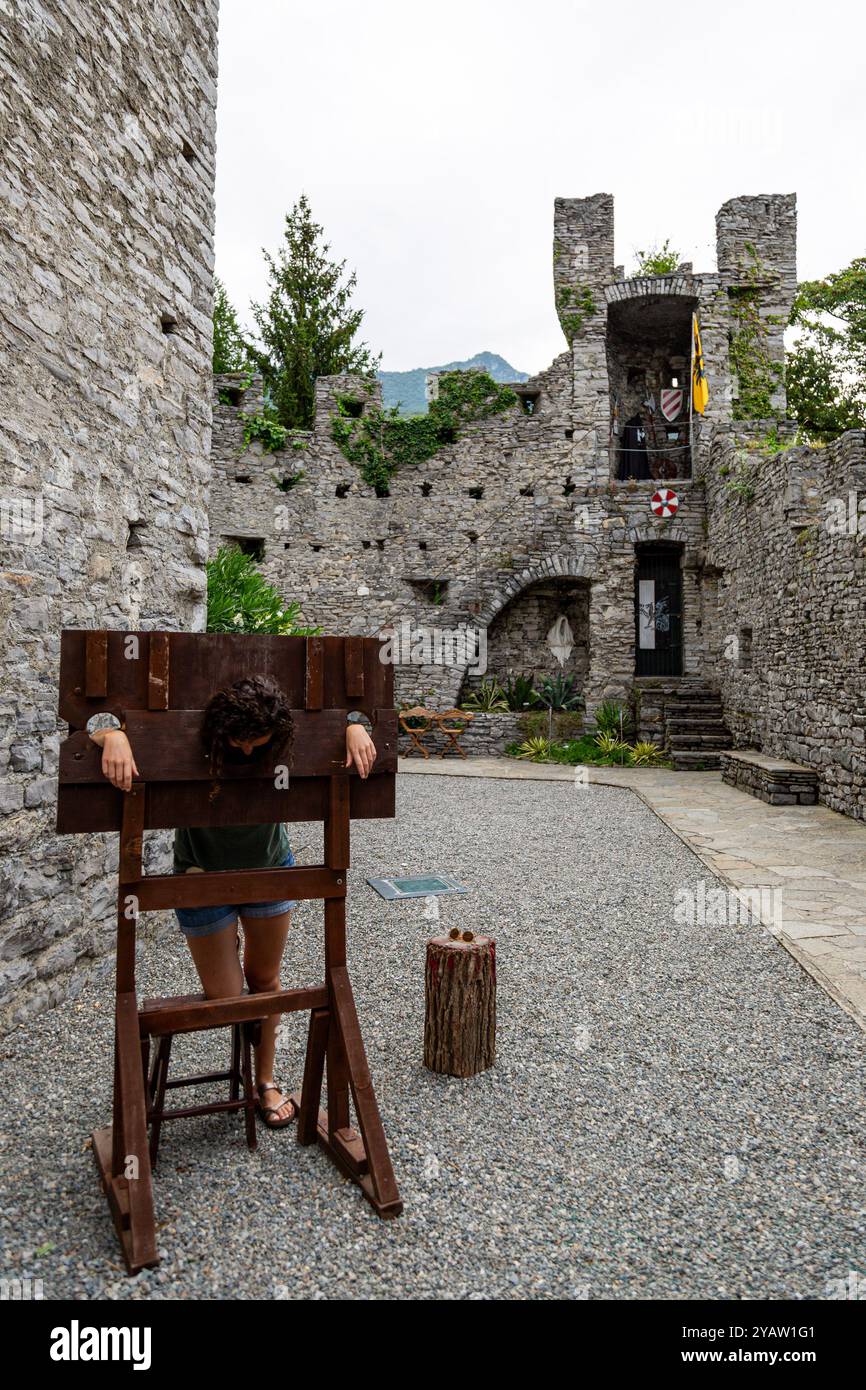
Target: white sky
(431, 140)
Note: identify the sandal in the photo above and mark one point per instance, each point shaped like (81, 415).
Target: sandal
(264, 1110)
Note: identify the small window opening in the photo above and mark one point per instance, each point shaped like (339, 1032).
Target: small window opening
(134, 540)
(380, 545)
(315, 546)
(473, 536)
(529, 401)
(249, 545)
(366, 545)
(188, 152)
(476, 492)
(342, 490)
(569, 487)
(569, 434)
(426, 489)
(422, 545)
(744, 650)
(243, 478)
(352, 406)
(168, 323)
(527, 491)
(235, 395)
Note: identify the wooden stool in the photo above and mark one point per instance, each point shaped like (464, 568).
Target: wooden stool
(239, 1076)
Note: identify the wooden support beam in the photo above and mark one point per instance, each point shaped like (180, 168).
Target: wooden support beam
(96, 665)
(353, 667)
(184, 1015)
(158, 892)
(158, 671)
(314, 673)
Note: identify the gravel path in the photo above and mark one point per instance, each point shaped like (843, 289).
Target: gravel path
(675, 1111)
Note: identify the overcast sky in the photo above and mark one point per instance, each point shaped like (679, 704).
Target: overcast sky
(432, 139)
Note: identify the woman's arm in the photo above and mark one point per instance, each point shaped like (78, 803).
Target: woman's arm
(118, 764)
(360, 748)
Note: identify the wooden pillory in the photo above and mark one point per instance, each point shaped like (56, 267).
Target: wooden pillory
(158, 684)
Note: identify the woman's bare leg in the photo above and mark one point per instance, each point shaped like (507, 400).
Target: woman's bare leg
(264, 943)
(216, 960)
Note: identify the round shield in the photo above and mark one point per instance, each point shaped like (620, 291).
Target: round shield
(664, 502)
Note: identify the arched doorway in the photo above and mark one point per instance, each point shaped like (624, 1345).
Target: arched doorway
(543, 629)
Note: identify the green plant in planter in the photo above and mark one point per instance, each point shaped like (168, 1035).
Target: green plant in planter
(520, 691)
(558, 692)
(488, 699)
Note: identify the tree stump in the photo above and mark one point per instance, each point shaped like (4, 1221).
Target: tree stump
(460, 999)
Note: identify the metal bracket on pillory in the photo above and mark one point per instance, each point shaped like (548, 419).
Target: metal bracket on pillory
(158, 684)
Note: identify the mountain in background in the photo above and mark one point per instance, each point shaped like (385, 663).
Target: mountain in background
(406, 389)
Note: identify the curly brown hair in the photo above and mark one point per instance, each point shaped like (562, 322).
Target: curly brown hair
(246, 710)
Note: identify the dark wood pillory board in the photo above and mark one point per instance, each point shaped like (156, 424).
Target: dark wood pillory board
(158, 684)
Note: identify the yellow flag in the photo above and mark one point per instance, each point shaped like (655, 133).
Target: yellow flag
(700, 386)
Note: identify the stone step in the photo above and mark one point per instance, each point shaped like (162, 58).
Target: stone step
(683, 742)
(695, 762)
(707, 709)
(675, 725)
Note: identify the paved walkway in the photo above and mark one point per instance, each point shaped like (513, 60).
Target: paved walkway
(802, 869)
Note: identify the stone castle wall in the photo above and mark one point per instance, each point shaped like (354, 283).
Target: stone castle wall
(790, 568)
(108, 120)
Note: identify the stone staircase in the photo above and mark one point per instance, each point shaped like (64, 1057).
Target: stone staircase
(695, 729)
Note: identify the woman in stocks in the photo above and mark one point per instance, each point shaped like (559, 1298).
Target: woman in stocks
(240, 723)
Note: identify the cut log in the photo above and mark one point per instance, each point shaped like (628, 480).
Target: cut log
(460, 997)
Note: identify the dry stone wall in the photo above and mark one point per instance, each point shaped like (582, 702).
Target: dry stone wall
(790, 558)
(107, 114)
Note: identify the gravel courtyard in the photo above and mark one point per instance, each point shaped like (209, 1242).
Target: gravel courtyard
(675, 1112)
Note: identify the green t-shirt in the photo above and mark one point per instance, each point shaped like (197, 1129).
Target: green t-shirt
(230, 847)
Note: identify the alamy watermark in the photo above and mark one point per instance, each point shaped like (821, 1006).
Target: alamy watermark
(716, 906)
(412, 644)
(22, 520)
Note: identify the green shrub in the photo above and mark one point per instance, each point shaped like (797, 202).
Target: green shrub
(558, 692)
(538, 749)
(489, 698)
(644, 753)
(520, 692)
(611, 718)
(239, 599)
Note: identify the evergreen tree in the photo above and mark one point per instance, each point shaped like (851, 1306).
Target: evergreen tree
(230, 351)
(307, 325)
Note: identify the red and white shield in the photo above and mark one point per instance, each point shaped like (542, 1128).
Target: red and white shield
(671, 402)
(664, 502)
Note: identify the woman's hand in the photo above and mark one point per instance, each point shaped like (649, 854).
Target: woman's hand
(360, 748)
(118, 764)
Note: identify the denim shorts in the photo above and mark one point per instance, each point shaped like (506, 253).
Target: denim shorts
(205, 921)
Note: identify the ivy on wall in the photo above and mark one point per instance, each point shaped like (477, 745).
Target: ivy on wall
(380, 441)
(575, 305)
(757, 374)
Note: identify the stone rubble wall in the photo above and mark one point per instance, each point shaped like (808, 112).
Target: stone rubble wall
(108, 120)
(792, 598)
